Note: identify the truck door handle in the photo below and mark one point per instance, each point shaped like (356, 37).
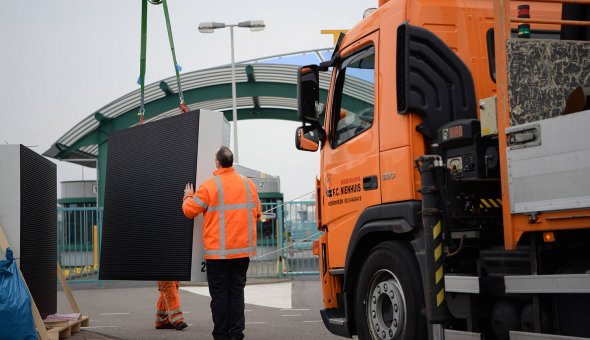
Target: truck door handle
(523, 136)
(370, 183)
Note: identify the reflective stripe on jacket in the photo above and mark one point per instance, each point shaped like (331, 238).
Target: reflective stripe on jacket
(230, 206)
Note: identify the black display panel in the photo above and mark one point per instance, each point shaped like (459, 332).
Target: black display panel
(145, 235)
(38, 230)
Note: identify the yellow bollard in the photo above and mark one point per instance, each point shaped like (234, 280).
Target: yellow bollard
(284, 267)
(95, 247)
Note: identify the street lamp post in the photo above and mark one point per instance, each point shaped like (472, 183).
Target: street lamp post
(254, 26)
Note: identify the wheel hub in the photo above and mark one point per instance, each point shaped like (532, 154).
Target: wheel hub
(386, 309)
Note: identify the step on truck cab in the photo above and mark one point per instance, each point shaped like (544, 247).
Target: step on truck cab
(454, 192)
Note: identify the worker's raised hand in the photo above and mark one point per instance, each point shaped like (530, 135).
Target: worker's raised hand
(189, 190)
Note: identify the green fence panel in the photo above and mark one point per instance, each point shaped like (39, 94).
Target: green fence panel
(267, 262)
(301, 232)
(78, 242)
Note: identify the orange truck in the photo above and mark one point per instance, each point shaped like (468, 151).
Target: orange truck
(454, 187)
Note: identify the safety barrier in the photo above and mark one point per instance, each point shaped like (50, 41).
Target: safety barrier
(283, 247)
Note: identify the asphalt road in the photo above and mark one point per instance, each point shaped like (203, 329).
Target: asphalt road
(128, 313)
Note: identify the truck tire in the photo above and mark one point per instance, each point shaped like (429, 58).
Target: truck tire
(389, 297)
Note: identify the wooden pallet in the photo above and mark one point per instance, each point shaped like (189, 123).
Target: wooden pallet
(52, 331)
(65, 329)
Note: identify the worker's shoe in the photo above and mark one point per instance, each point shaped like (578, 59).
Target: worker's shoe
(180, 326)
(166, 325)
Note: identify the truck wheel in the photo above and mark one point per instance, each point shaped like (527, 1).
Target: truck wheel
(389, 296)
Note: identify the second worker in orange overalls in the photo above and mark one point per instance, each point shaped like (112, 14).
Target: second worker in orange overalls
(168, 314)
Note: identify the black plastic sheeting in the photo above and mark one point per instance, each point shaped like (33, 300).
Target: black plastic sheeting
(38, 232)
(145, 235)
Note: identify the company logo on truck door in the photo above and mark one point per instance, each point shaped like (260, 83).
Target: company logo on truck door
(347, 186)
(328, 183)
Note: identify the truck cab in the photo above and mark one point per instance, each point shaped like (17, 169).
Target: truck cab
(413, 189)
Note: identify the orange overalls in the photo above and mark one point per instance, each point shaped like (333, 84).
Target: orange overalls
(168, 313)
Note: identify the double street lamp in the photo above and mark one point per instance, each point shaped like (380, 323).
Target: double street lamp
(254, 26)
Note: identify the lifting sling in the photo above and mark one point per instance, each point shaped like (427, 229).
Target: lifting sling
(142, 58)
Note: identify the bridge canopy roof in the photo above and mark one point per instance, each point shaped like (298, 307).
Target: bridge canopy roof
(266, 88)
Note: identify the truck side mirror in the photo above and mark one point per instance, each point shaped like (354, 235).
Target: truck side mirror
(307, 138)
(308, 93)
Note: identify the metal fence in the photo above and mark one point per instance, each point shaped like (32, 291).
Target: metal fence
(283, 246)
(300, 233)
(78, 242)
(269, 241)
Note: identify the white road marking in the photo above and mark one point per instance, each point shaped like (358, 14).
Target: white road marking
(92, 327)
(291, 315)
(313, 321)
(105, 314)
(276, 295)
(256, 322)
(247, 310)
(289, 309)
(186, 312)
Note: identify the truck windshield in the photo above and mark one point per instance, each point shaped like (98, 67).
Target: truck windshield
(354, 96)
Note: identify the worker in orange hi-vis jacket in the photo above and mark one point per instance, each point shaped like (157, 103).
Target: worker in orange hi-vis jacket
(168, 314)
(230, 206)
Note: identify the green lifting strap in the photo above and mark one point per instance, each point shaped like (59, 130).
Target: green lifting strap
(142, 58)
(183, 107)
(144, 6)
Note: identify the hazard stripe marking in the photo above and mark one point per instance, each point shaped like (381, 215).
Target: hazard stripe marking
(436, 230)
(440, 297)
(437, 252)
(439, 275)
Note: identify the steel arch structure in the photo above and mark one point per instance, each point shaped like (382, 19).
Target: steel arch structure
(265, 90)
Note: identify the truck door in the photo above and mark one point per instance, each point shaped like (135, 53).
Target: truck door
(351, 156)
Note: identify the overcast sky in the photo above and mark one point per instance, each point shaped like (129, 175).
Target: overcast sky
(60, 61)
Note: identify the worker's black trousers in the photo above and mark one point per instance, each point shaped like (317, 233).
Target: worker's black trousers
(227, 279)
